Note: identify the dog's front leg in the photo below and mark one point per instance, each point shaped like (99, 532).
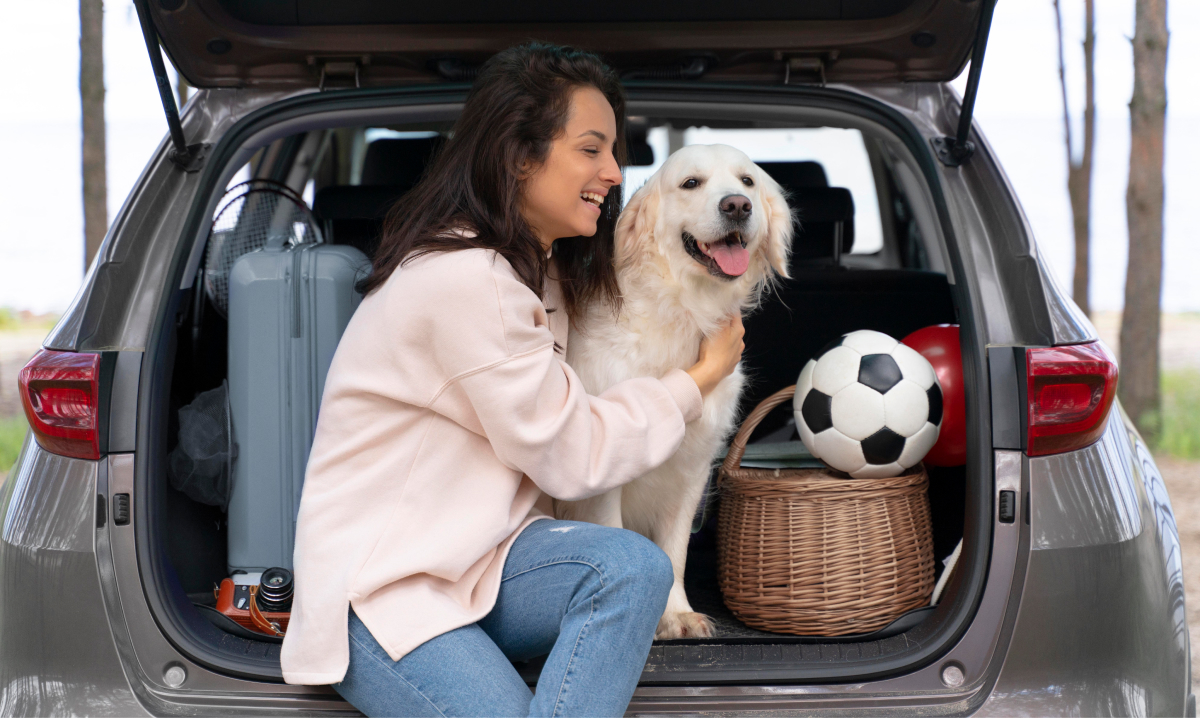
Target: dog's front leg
(672, 535)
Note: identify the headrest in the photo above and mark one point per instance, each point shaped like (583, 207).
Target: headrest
(794, 176)
(818, 211)
(355, 201)
(823, 204)
(398, 162)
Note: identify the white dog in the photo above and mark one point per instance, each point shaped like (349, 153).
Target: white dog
(699, 241)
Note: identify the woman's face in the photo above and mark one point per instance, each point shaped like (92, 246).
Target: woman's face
(562, 198)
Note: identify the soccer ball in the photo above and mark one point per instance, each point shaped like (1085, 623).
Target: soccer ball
(868, 405)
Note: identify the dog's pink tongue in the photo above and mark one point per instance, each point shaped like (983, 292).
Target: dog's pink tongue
(733, 259)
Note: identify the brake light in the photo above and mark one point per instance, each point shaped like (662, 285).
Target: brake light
(1070, 390)
(61, 395)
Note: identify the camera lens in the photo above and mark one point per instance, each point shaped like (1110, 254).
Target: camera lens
(275, 590)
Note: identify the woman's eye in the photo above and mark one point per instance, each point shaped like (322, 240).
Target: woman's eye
(747, 181)
(690, 183)
(592, 152)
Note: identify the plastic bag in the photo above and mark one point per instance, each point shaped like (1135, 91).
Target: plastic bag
(201, 466)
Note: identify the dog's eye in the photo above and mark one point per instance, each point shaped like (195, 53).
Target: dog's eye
(690, 183)
(747, 181)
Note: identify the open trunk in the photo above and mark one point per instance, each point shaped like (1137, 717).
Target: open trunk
(349, 159)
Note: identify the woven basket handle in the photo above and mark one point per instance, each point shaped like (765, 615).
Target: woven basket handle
(733, 459)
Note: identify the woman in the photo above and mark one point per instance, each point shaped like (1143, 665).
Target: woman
(426, 556)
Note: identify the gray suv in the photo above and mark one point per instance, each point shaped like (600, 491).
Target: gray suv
(1067, 597)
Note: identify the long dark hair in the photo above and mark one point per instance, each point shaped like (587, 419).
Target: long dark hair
(517, 107)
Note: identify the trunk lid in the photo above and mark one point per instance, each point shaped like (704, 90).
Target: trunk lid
(297, 43)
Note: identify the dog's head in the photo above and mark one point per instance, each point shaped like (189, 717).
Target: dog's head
(710, 215)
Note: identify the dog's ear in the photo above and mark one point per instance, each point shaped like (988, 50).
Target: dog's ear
(635, 226)
(779, 225)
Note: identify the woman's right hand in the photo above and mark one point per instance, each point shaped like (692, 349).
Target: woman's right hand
(719, 355)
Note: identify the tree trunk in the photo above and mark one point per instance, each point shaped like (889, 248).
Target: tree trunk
(1140, 324)
(91, 95)
(181, 89)
(1079, 171)
(1079, 179)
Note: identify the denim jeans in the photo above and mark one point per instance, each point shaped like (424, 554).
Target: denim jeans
(590, 596)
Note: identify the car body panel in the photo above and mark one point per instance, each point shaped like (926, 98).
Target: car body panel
(232, 43)
(57, 655)
(1102, 626)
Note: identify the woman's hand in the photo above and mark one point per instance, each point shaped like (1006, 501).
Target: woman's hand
(719, 355)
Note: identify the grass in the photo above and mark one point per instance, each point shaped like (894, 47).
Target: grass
(1180, 435)
(12, 435)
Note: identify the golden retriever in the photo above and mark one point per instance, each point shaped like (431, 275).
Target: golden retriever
(699, 241)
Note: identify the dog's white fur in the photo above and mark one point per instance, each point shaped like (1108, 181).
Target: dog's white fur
(669, 301)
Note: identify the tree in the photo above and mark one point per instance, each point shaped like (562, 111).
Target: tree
(91, 96)
(1140, 323)
(181, 89)
(1079, 167)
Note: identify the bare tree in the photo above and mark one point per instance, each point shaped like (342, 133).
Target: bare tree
(1140, 324)
(91, 96)
(181, 89)
(1079, 167)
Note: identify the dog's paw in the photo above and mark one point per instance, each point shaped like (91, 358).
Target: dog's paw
(684, 625)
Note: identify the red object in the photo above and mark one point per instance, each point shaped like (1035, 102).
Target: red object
(61, 395)
(1070, 390)
(235, 604)
(940, 345)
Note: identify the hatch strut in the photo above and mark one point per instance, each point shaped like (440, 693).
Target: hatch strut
(953, 151)
(189, 157)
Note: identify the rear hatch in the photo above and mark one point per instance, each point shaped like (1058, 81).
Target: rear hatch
(293, 43)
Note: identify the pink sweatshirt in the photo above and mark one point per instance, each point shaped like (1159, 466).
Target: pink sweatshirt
(446, 415)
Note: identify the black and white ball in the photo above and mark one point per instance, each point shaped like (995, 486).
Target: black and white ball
(868, 405)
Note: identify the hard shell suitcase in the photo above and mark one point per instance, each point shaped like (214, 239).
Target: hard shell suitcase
(288, 308)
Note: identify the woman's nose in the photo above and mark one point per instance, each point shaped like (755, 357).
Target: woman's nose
(611, 172)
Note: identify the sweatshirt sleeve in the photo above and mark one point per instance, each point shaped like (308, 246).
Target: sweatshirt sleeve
(538, 418)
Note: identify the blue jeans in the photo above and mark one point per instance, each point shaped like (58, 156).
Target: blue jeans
(588, 595)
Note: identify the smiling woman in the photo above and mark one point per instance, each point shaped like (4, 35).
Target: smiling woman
(584, 161)
(424, 560)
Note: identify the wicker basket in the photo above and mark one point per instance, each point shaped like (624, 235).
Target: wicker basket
(813, 552)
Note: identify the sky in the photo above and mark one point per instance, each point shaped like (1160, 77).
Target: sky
(1019, 109)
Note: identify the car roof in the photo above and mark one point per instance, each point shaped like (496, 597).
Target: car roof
(305, 43)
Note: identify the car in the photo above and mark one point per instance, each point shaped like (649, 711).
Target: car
(1068, 595)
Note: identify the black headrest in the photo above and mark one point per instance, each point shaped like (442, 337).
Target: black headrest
(818, 211)
(823, 204)
(398, 162)
(355, 202)
(794, 176)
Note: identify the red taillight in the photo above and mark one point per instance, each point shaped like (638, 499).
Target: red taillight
(1070, 390)
(61, 394)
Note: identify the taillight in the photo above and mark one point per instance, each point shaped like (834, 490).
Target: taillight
(61, 395)
(1070, 390)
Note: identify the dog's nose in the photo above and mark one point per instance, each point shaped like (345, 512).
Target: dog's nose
(736, 206)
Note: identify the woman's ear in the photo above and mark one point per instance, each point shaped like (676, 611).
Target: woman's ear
(779, 225)
(635, 226)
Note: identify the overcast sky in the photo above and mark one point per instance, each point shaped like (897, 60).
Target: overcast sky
(1018, 108)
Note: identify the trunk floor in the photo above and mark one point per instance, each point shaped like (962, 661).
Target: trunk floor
(704, 593)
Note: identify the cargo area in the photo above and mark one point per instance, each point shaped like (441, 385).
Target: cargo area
(869, 253)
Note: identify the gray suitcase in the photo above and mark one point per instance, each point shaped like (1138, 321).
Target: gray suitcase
(288, 308)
